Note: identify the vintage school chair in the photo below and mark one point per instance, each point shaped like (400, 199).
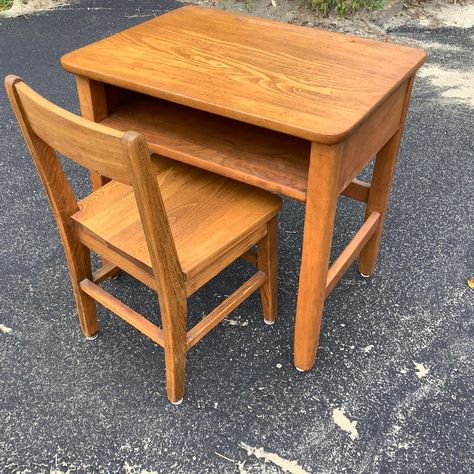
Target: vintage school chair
(170, 225)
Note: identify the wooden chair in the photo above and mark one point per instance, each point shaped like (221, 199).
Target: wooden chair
(171, 226)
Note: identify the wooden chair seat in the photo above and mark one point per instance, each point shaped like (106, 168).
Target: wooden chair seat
(213, 219)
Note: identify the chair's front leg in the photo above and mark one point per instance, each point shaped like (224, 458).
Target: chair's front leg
(267, 262)
(323, 190)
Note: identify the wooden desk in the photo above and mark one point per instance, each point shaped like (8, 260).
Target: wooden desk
(293, 110)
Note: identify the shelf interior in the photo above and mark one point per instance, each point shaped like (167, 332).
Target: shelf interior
(254, 155)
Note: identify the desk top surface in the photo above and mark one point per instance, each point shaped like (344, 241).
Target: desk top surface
(309, 83)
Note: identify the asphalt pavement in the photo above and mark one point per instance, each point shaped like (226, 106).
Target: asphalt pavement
(396, 350)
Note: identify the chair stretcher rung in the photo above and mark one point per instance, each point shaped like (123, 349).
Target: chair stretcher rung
(251, 257)
(105, 272)
(348, 255)
(227, 306)
(124, 311)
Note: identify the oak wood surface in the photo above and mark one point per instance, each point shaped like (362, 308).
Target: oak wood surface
(324, 172)
(251, 257)
(94, 106)
(254, 155)
(124, 311)
(309, 83)
(63, 204)
(352, 250)
(267, 262)
(94, 146)
(257, 156)
(381, 185)
(202, 209)
(156, 218)
(365, 141)
(105, 272)
(239, 247)
(358, 190)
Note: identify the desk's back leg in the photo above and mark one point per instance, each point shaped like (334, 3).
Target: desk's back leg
(93, 104)
(323, 190)
(380, 187)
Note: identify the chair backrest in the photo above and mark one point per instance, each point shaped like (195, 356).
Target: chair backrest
(123, 157)
(94, 146)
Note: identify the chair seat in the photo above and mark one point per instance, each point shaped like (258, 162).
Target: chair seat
(209, 215)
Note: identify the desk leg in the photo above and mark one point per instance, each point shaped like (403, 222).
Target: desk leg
(323, 190)
(93, 104)
(380, 188)
(378, 200)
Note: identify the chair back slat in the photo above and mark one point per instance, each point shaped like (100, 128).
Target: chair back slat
(93, 146)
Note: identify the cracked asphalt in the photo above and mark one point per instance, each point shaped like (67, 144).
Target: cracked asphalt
(396, 351)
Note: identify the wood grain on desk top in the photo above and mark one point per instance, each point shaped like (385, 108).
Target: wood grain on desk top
(310, 83)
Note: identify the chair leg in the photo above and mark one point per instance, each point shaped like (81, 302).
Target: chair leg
(174, 323)
(80, 268)
(267, 262)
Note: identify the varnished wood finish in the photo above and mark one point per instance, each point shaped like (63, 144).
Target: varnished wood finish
(164, 261)
(202, 218)
(94, 146)
(92, 99)
(123, 262)
(358, 190)
(267, 262)
(223, 146)
(166, 223)
(350, 253)
(251, 257)
(237, 249)
(104, 273)
(347, 96)
(63, 204)
(384, 169)
(93, 104)
(367, 139)
(309, 83)
(325, 166)
(270, 160)
(124, 311)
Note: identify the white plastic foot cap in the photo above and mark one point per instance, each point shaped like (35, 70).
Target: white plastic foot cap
(269, 322)
(364, 275)
(92, 338)
(300, 370)
(177, 403)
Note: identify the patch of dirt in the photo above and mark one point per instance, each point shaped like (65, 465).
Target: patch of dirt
(454, 84)
(298, 12)
(365, 23)
(25, 7)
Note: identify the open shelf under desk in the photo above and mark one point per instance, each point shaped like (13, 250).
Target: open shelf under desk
(254, 155)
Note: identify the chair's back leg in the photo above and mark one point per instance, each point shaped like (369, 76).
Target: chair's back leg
(267, 262)
(78, 259)
(63, 204)
(174, 317)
